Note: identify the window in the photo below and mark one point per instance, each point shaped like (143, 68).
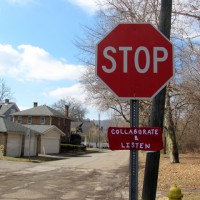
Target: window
(42, 119)
(29, 119)
(19, 119)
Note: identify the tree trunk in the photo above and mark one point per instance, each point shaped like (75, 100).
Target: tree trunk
(157, 114)
(171, 137)
(165, 142)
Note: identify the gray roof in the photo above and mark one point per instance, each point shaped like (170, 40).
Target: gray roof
(8, 126)
(87, 126)
(74, 125)
(38, 128)
(40, 111)
(4, 107)
(42, 128)
(84, 126)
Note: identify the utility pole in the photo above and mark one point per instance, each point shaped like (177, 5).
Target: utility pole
(99, 131)
(157, 113)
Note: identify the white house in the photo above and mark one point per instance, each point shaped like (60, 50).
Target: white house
(28, 140)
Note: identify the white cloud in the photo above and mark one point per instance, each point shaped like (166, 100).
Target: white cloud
(8, 57)
(89, 6)
(74, 91)
(28, 62)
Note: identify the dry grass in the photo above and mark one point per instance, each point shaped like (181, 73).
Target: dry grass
(185, 174)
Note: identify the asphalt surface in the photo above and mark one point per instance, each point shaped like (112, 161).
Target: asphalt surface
(86, 177)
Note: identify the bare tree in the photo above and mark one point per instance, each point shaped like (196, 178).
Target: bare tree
(185, 28)
(76, 109)
(5, 91)
(189, 88)
(170, 130)
(114, 12)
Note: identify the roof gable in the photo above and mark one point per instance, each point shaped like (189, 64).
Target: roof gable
(43, 129)
(55, 128)
(82, 126)
(5, 107)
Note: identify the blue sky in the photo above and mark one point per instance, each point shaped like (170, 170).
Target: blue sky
(38, 58)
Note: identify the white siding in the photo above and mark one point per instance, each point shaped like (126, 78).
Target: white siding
(30, 146)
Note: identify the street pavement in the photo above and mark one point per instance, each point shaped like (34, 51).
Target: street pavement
(102, 175)
(96, 176)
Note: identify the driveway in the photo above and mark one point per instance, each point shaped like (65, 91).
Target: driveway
(87, 177)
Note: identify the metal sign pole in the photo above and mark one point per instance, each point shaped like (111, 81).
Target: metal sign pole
(133, 179)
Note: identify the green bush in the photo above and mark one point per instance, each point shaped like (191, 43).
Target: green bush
(70, 147)
(75, 139)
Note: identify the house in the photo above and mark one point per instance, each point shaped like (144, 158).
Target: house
(45, 115)
(7, 109)
(89, 132)
(15, 139)
(50, 138)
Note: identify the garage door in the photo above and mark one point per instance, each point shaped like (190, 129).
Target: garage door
(14, 144)
(50, 145)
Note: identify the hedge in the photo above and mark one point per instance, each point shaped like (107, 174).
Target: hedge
(71, 147)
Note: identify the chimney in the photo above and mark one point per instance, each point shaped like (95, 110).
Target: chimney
(35, 104)
(7, 101)
(66, 110)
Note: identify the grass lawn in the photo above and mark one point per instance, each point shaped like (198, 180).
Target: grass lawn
(26, 159)
(45, 158)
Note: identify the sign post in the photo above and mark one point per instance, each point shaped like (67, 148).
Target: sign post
(133, 180)
(135, 61)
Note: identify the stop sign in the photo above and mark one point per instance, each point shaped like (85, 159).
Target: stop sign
(135, 61)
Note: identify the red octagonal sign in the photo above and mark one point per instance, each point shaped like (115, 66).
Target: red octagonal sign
(135, 61)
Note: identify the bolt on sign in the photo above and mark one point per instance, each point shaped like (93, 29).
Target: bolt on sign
(135, 138)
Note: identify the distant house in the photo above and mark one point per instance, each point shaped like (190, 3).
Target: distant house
(90, 133)
(7, 109)
(45, 115)
(15, 139)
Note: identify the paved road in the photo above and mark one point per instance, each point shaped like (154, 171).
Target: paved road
(87, 177)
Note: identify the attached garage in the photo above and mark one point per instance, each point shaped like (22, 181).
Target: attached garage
(50, 137)
(50, 140)
(15, 139)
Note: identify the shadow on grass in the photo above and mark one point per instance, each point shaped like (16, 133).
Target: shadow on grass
(66, 155)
